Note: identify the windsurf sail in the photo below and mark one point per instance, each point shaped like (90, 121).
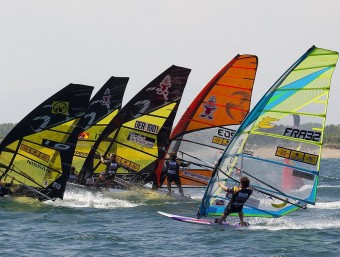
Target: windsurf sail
(207, 126)
(140, 130)
(270, 142)
(37, 153)
(104, 106)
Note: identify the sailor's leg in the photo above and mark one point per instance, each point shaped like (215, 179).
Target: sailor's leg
(169, 186)
(222, 218)
(240, 215)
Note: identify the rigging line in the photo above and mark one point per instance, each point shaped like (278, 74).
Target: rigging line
(212, 165)
(197, 164)
(197, 143)
(263, 192)
(277, 190)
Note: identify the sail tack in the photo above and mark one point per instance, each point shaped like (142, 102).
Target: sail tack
(37, 152)
(279, 144)
(211, 120)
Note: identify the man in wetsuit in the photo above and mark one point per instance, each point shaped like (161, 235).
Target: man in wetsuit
(108, 176)
(73, 175)
(239, 196)
(172, 172)
(5, 188)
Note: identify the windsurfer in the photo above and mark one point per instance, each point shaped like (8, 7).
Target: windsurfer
(5, 188)
(239, 196)
(172, 172)
(107, 176)
(73, 177)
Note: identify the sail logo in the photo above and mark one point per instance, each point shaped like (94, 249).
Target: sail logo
(229, 107)
(297, 155)
(84, 135)
(34, 152)
(55, 145)
(37, 165)
(106, 98)
(56, 185)
(141, 140)
(198, 177)
(127, 164)
(300, 174)
(303, 134)
(209, 108)
(147, 127)
(266, 122)
(60, 107)
(80, 154)
(226, 133)
(163, 88)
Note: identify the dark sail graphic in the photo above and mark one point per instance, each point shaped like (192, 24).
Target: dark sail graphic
(104, 106)
(141, 129)
(37, 153)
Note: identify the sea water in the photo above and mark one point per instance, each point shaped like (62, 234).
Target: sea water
(126, 223)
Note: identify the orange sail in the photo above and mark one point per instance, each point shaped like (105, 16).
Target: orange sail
(209, 123)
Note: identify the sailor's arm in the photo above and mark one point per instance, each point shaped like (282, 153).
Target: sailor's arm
(222, 186)
(185, 164)
(102, 160)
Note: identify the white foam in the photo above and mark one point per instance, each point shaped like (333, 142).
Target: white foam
(290, 223)
(325, 205)
(328, 186)
(83, 198)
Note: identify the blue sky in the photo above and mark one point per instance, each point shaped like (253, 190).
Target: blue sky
(45, 44)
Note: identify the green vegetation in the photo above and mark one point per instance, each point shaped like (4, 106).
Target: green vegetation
(332, 136)
(5, 128)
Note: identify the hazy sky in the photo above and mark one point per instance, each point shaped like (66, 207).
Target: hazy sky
(45, 44)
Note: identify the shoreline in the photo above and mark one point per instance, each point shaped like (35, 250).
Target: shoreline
(330, 153)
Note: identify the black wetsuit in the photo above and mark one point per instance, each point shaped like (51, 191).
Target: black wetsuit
(111, 169)
(240, 196)
(172, 171)
(4, 190)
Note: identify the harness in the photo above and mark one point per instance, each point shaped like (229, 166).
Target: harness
(173, 167)
(240, 196)
(111, 167)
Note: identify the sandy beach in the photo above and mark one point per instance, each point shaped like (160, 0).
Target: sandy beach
(330, 153)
